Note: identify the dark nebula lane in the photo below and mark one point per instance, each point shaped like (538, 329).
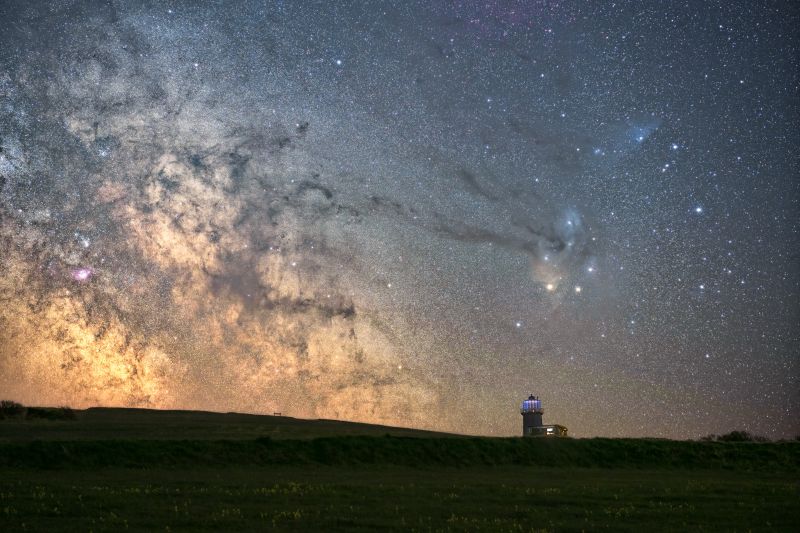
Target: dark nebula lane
(410, 213)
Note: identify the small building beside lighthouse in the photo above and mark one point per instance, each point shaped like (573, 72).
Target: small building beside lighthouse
(532, 425)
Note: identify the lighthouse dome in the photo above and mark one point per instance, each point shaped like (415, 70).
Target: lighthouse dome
(531, 405)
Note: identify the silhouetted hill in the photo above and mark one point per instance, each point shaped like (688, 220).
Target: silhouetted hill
(101, 423)
(142, 438)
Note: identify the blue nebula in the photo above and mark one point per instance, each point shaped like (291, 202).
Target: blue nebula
(639, 133)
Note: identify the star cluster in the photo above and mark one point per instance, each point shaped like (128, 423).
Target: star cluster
(411, 213)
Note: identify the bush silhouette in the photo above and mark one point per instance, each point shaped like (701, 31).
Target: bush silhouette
(9, 409)
(734, 436)
(741, 436)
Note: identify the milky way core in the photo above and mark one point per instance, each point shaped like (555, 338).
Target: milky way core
(410, 213)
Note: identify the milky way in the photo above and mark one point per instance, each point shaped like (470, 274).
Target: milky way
(411, 213)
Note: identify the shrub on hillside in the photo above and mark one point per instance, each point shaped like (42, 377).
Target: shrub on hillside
(9, 409)
(735, 436)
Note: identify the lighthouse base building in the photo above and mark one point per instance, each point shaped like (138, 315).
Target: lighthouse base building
(554, 430)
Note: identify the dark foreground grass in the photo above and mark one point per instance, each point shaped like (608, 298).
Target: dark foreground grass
(396, 498)
(406, 451)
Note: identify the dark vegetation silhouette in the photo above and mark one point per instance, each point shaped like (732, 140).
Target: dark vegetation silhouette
(141, 438)
(735, 436)
(9, 409)
(414, 452)
(13, 410)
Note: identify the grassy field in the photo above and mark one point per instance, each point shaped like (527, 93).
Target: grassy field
(436, 499)
(85, 477)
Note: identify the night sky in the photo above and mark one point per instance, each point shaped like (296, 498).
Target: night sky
(412, 213)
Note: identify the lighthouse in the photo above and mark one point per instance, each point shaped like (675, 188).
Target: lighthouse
(532, 425)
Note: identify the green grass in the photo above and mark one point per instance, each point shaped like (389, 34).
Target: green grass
(405, 451)
(366, 499)
(132, 470)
